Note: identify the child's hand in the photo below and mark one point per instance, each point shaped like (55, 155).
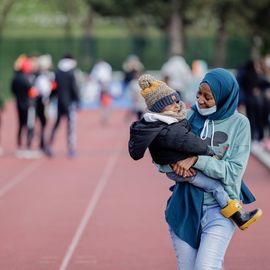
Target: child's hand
(189, 173)
(183, 167)
(192, 171)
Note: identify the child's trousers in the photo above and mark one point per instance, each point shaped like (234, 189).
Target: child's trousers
(205, 182)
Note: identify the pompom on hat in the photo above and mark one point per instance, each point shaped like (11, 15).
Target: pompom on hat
(157, 94)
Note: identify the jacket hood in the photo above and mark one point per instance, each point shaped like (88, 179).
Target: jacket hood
(141, 136)
(67, 64)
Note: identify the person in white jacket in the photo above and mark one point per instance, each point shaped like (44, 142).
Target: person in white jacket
(178, 75)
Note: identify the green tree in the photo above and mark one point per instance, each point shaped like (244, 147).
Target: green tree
(259, 24)
(170, 17)
(248, 16)
(5, 8)
(129, 10)
(71, 10)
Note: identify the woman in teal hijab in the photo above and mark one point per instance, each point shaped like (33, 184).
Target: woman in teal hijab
(200, 233)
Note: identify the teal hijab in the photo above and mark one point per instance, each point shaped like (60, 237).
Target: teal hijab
(184, 207)
(225, 90)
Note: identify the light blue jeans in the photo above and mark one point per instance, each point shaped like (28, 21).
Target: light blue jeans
(217, 232)
(205, 182)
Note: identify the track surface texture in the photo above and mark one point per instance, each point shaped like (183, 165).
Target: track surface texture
(101, 210)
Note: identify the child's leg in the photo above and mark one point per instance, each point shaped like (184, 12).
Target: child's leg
(177, 178)
(208, 184)
(229, 208)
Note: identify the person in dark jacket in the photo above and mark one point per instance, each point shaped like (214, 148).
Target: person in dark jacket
(252, 86)
(68, 98)
(167, 133)
(22, 89)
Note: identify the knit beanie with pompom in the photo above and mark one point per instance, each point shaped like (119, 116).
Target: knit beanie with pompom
(157, 94)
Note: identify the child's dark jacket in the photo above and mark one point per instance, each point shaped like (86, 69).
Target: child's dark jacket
(167, 143)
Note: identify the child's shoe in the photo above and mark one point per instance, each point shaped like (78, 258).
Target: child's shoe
(241, 217)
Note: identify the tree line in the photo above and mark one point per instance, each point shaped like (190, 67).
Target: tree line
(175, 18)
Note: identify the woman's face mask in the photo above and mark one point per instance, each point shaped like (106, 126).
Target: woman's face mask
(205, 103)
(207, 111)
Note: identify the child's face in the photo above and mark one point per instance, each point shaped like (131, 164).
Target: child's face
(205, 97)
(175, 107)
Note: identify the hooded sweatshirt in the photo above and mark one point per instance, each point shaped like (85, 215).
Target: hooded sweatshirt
(229, 133)
(66, 91)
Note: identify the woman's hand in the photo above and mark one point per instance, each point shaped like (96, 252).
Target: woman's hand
(183, 167)
(191, 172)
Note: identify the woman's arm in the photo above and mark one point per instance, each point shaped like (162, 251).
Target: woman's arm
(182, 167)
(228, 169)
(232, 166)
(167, 169)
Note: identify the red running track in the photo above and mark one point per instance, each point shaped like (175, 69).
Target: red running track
(101, 210)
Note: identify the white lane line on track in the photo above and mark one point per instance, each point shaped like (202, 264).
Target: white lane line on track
(19, 177)
(91, 207)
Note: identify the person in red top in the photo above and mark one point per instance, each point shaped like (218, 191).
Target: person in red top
(24, 93)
